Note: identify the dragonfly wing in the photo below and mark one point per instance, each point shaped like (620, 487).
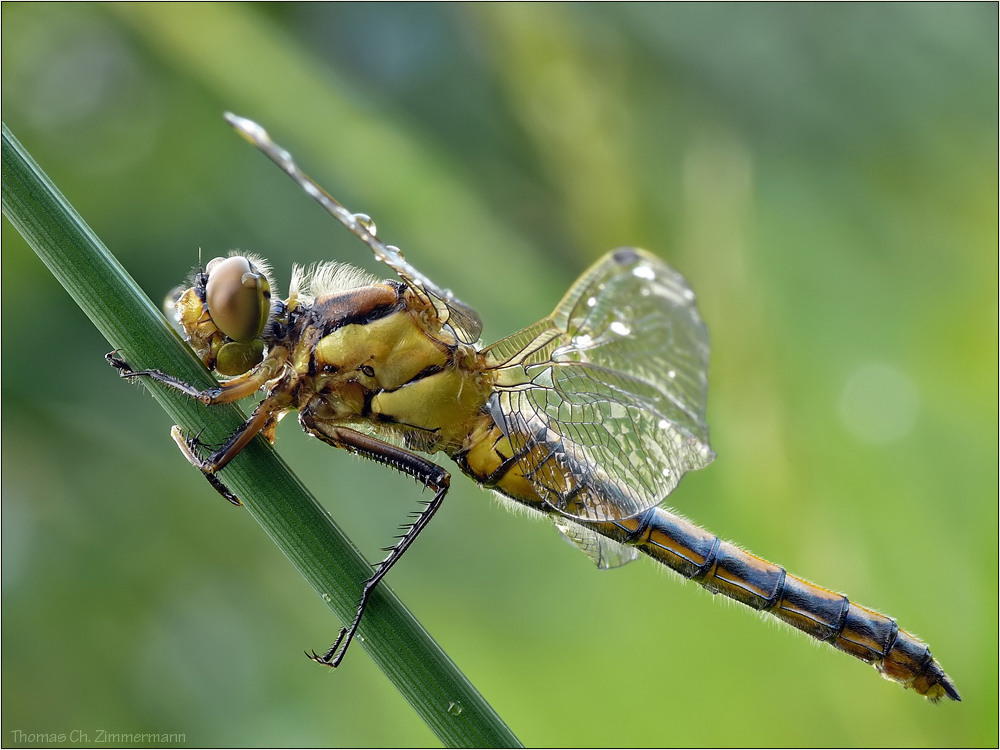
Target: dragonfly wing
(605, 553)
(451, 311)
(464, 321)
(605, 399)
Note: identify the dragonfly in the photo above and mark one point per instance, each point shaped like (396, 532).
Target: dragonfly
(589, 417)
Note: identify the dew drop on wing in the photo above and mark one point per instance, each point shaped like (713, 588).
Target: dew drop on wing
(644, 272)
(366, 223)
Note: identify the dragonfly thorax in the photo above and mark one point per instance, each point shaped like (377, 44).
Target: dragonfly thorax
(381, 366)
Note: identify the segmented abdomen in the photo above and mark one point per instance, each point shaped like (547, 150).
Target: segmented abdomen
(726, 569)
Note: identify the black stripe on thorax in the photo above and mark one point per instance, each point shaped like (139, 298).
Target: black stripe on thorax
(425, 373)
(357, 306)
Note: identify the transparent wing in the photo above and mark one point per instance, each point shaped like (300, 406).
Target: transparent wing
(605, 553)
(603, 402)
(451, 311)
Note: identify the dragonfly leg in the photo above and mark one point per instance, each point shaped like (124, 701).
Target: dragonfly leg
(206, 396)
(229, 392)
(188, 446)
(263, 417)
(424, 471)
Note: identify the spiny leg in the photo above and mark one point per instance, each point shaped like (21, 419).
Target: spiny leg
(188, 446)
(426, 472)
(335, 654)
(229, 392)
(263, 417)
(206, 396)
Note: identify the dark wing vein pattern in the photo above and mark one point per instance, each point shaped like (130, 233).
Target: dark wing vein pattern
(610, 389)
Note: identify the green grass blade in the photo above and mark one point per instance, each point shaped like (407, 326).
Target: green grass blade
(451, 707)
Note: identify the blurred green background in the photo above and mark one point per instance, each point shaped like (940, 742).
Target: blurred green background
(824, 175)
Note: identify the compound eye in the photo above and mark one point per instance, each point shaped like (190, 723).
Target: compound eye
(238, 298)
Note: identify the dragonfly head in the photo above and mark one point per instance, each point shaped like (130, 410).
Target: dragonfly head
(224, 314)
(238, 297)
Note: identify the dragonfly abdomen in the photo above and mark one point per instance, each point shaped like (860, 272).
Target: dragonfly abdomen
(724, 568)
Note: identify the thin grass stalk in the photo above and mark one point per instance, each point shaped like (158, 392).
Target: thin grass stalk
(443, 697)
